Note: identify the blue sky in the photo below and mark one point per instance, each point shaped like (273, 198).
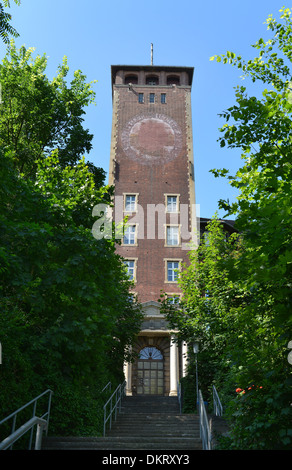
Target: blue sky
(96, 34)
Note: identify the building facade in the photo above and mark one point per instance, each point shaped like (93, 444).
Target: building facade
(152, 171)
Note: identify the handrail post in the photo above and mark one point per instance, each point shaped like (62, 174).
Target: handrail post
(31, 432)
(39, 435)
(29, 425)
(205, 433)
(111, 408)
(117, 397)
(13, 427)
(116, 400)
(49, 411)
(218, 408)
(120, 400)
(179, 396)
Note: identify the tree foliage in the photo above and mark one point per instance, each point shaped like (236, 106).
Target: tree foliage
(38, 115)
(238, 292)
(6, 29)
(67, 319)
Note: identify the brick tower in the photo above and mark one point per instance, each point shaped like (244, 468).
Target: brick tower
(152, 170)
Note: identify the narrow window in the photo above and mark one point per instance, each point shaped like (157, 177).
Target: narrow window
(172, 235)
(172, 204)
(130, 203)
(172, 267)
(130, 266)
(152, 98)
(163, 98)
(130, 235)
(141, 98)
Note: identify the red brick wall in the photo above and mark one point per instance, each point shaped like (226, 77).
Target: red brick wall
(151, 159)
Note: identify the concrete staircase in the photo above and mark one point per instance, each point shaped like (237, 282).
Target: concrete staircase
(145, 423)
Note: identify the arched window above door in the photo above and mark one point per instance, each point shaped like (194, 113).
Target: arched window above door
(150, 353)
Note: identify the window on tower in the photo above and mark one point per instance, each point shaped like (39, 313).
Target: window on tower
(172, 268)
(172, 235)
(131, 79)
(172, 203)
(130, 265)
(153, 80)
(163, 98)
(173, 80)
(130, 235)
(130, 203)
(141, 98)
(152, 98)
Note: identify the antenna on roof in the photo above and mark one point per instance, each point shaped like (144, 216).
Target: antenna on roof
(151, 54)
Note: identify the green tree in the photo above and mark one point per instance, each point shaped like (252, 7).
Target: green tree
(38, 115)
(67, 318)
(210, 309)
(238, 297)
(66, 314)
(6, 29)
(261, 127)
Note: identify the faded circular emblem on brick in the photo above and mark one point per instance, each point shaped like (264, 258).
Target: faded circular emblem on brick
(152, 139)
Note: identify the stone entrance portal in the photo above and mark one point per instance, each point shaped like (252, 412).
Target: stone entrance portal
(159, 361)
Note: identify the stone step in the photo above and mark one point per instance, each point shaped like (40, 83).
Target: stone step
(141, 426)
(124, 443)
(159, 416)
(166, 435)
(155, 423)
(150, 407)
(144, 423)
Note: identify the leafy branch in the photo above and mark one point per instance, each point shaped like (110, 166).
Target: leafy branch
(6, 29)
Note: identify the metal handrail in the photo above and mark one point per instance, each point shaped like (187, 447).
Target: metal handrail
(205, 432)
(218, 408)
(179, 396)
(42, 423)
(114, 407)
(108, 385)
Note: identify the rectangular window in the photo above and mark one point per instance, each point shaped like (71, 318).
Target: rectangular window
(130, 202)
(130, 265)
(163, 98)
(141, 98)
(172, 267)
(130, 235)
(172, 204)
(152, 98)
(173, 299)
(172, 235)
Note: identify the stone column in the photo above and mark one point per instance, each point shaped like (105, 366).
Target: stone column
(128, 377)
(173, 367)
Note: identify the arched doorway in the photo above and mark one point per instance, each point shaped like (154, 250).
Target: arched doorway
(150, 372)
